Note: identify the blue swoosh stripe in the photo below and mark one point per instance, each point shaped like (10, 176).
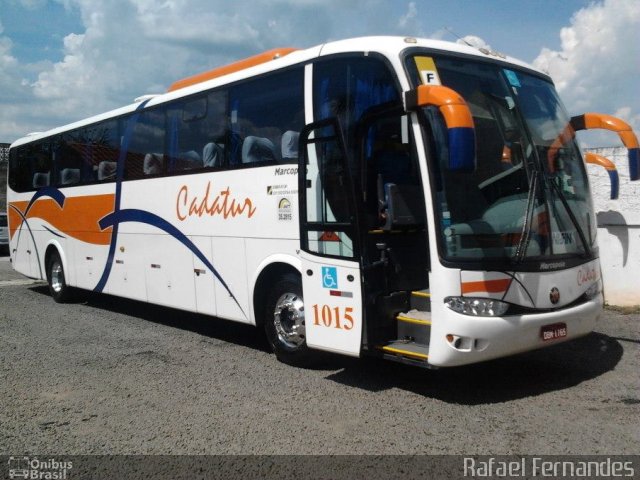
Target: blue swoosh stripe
(133, 215)
(116, 207)
(52, 192)
(55, 233)
(142, 216)
(35, 245)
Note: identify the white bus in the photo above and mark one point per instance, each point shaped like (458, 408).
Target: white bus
(413, 199)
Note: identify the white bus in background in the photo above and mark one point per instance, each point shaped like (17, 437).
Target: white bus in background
(413, 199)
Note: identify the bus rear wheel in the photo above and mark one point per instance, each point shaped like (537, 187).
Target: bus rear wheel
(60, 291)
(285, 324)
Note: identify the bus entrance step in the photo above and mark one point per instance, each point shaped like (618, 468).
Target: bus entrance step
(414, 325)
(421, 300)
(409, 352)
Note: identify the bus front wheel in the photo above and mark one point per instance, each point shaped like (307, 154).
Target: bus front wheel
(285, 324)
(60, 291)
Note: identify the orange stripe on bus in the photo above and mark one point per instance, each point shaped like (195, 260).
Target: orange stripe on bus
(231, 68)
(13, 217)
(491, 286)
(78, 219)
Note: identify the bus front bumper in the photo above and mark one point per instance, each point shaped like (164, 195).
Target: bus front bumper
(463, 339)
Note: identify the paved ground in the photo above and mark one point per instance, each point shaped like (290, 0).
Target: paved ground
(112, 376)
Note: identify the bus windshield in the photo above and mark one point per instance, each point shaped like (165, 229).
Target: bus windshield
(527, 197)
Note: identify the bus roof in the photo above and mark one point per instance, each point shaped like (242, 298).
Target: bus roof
(280, 58)
(231, 68)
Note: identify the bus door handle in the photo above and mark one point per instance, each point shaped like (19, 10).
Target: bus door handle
(199, 271)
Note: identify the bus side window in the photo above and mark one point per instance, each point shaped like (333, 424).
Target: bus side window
(67, 157)
(145, 155)
(348, 88)
(266, 116)
(39, 157)
(214, 131)
(87, 154)
(104, 149)
(197, 133)
(16, 179)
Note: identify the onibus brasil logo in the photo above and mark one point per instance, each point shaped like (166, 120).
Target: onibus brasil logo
(34, 468)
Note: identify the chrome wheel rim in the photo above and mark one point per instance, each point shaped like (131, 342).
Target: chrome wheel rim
(57, 277)
(288, 318)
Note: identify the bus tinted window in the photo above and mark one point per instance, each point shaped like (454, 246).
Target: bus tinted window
(348, 87)
(18, 175)
(34, 165)
(145, 155)
(198, 133)
(267, 115)
(68, 152)
(101, 151)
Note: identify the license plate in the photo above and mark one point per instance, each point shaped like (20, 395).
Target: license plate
(553, 332)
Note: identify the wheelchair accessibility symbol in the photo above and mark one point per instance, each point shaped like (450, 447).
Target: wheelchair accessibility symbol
(329, 277)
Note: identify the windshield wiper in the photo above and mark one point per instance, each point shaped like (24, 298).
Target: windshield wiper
(572, 217)
(525, 236)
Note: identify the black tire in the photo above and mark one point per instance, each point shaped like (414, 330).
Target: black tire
(60, 291)
(284, 322)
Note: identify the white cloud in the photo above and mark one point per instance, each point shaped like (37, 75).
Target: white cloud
(127, 48)
(412, 13)
(132, 47)
(16, 102)
(597, 67)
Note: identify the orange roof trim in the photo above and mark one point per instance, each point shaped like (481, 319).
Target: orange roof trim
(232, 68)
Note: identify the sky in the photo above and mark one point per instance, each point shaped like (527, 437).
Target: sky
(64, 60)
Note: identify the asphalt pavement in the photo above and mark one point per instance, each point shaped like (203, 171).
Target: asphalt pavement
(111, 376)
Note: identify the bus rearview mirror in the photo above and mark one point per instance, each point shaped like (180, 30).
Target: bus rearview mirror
(591, 121)
(609, 166)
(457, 118)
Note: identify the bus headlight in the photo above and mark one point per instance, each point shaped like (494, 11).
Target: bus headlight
(477, 307)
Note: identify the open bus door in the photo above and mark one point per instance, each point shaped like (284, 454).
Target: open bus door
(329, 250)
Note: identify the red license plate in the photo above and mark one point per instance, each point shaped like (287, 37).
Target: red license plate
(553, 332)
